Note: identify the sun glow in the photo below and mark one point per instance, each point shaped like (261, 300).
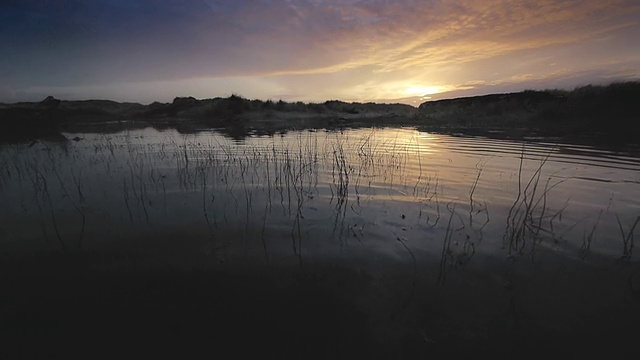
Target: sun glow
(423, 90)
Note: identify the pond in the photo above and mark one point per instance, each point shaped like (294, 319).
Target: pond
(391, 241)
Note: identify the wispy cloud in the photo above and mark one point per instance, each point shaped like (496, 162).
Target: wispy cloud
(419, 34)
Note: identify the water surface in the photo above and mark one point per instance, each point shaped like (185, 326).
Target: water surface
(461, 240)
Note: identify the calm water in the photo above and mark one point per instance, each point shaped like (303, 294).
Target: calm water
(355, 193)
(485, 224)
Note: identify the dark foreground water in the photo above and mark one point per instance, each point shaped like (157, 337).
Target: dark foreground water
(383, 243)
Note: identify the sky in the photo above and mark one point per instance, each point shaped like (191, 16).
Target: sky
(406, 51)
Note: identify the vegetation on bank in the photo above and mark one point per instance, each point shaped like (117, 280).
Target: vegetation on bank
(609, 111)
(601, 111)
(30, 121)
(235, 108)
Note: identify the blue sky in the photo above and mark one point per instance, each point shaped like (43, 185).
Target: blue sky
(311, 50)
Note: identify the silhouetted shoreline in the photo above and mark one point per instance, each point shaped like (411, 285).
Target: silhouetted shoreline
(592, 113)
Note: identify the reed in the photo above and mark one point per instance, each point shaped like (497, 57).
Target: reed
(588, 239)
(526, 214)
(446, 246)
(627, 239)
